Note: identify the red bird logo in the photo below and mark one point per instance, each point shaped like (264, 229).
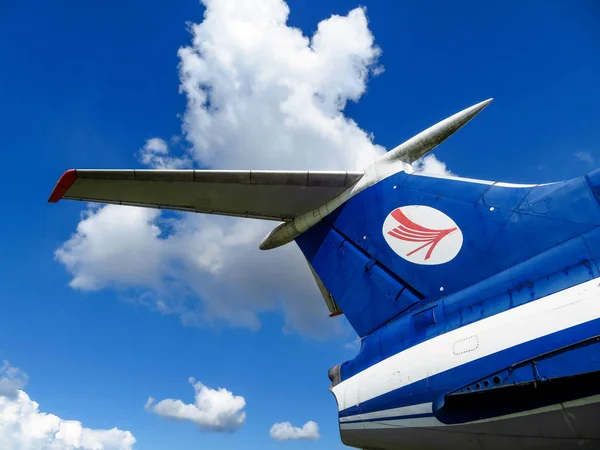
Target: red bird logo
(409, 231)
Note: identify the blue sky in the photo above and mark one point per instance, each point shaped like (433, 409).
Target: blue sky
(87, 84)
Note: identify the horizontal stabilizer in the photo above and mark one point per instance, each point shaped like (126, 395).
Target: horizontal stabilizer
(270, 195)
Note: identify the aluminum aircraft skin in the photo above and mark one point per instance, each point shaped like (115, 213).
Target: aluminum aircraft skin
(477, 303)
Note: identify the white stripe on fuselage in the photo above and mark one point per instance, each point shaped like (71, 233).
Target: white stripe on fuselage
(556, 312)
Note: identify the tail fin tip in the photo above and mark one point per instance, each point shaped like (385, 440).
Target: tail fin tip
(427, 140)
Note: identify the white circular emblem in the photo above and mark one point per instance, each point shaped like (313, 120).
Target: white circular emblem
(422, 235)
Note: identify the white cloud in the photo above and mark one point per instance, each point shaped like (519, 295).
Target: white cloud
(156, 146)
(155, 153)
(213, 409)
(260, 94)
(11, 380)
(23, 426)
(430, 164)
(585, 157)
(115, 245)
(285, 431)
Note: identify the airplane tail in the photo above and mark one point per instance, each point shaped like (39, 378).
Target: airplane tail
(397, 240)
(413, 239)
(313, 208)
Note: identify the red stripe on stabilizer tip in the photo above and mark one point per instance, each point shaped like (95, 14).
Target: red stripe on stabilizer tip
(336, 314)
(63, 185)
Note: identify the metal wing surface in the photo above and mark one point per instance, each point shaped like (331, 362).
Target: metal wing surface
(270, 195)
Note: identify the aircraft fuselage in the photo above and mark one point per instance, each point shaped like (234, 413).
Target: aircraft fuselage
(495, 341)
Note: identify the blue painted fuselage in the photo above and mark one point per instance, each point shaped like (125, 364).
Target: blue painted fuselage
(498, 346)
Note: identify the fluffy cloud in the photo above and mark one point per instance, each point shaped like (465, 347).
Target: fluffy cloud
(155, 153)
(23, 426)
(115, 245)
(213, 409)
(285, 431)
(11, 380)
(260, 95)
(430, 164)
